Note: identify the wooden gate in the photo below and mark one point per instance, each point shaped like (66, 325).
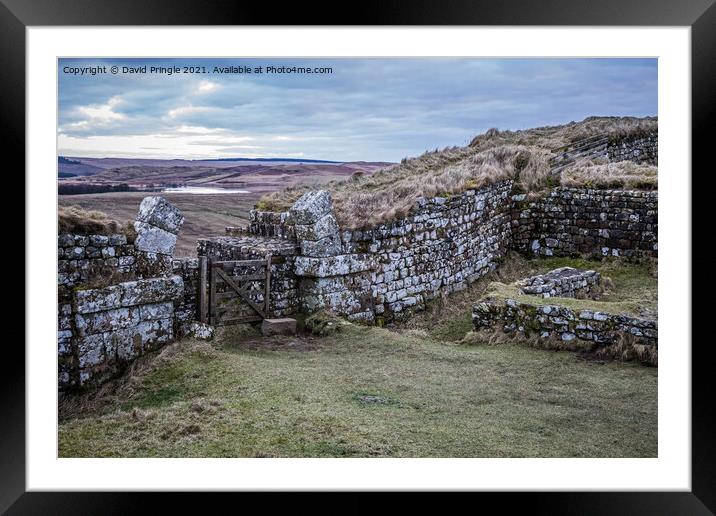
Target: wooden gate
(239, 291)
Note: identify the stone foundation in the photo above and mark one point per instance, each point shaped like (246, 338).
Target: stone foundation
(562, 282)
(565, 324)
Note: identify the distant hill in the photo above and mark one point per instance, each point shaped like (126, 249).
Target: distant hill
(253, 174)
(270, 160)
(69, 167)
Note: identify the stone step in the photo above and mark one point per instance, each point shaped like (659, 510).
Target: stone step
(283, 326)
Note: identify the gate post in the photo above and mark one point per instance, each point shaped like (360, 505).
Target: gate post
(202, 289)
(267, 295)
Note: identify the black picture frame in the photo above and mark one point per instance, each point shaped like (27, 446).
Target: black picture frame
(699, 15)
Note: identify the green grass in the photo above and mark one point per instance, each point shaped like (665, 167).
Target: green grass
(449, 318)
(634, 289)
(366, 392)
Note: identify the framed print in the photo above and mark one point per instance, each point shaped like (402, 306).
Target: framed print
(434, 251)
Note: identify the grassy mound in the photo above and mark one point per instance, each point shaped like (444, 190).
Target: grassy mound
(76, 220)
(523, 156)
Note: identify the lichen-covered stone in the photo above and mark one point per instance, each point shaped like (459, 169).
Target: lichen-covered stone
(153, 239)
(333, 265)
(109, 320)
(324, 227)
(561, 282)
(328, 246)
(159, 212)
(95, 300)
(152, 290)
(599, 328)
(311, 207)
(156, 311)
(201, 331)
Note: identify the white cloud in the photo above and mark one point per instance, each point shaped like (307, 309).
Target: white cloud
(158, 145)
(198, 129)
(102, 112)
(207, 86)
(188, 110)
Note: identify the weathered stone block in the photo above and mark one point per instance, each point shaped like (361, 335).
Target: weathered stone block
(110, 320)
(152, 290)
(310, 207)
(333, 265)
(201, 331)
(328, 246)
(284, 326)
(159, 212)
(156, 311)
(90, 350)
(96, 300)
(152, 239)
(323, 227)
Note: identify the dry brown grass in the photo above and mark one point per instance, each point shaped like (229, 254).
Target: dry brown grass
(557, 137)
(391, 193)
(75, 219)
(626, 347)
(602, 174)
(629, 347)
(523, 156)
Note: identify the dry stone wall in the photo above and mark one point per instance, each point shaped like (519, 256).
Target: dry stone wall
(642, 149)
(270, 224)
(388, 270)
(120, 296)
(116, 324)
(83, 258)
(572, 221)
(563, 323)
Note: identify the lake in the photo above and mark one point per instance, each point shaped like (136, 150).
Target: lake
(203, 190)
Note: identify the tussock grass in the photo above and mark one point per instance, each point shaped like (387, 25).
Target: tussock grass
(75, 219)
(523, 156)
(601, 175)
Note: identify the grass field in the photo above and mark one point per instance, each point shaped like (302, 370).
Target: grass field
(205, 215)
(409, 391)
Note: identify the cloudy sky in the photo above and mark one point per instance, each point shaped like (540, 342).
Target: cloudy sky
(364, 109)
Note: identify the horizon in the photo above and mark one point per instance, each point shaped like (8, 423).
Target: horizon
(379, 109)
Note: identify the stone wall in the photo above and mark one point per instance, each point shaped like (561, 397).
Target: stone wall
(572, 221)
(384, 271)
(84, 258)
(642, 149)
(270, 224)
(376, 274)
(186, 306)
(565, 324)
(112, 326)
(120, 296)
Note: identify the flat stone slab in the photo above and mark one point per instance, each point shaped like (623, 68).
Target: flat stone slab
(283, 326)
(563, 282)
